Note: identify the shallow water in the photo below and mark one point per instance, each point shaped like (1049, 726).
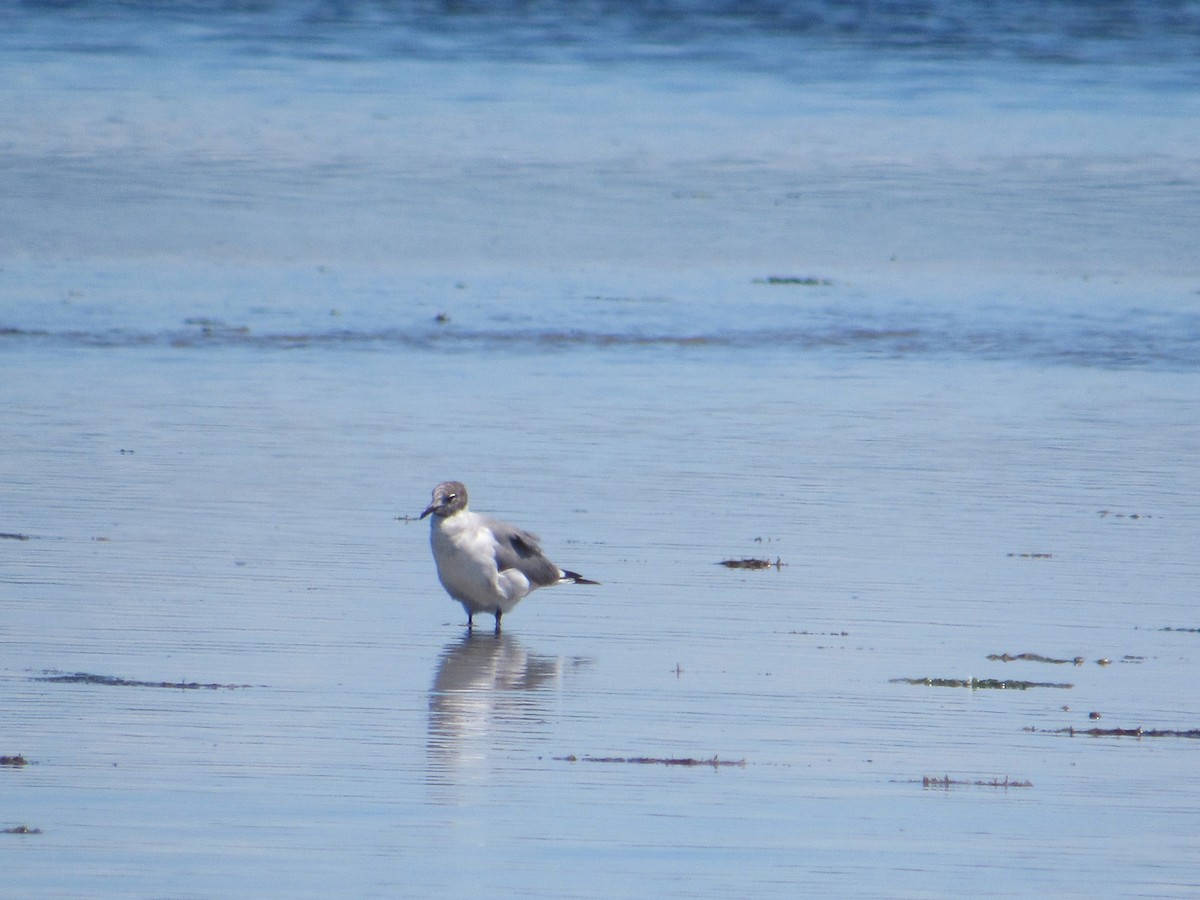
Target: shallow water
(246, 537)
(227, 390)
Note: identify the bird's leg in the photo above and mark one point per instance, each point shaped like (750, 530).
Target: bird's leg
(498, 620)
(470, 620)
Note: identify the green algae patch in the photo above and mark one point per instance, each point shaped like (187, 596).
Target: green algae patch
(752, 563)
(686, 761)
(1036, 657)
(1189, 733)
(945, 782)
(112, 681)
(981, 684)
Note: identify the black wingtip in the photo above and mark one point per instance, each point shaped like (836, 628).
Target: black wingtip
(577, 578)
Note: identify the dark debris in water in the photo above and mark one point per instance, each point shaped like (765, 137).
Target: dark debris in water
(980, 684)
(1036, 657)
(752, 563)
(798, 281)
(821, 633)
(714, 762)
(21, 829)
(13, 536)
(54, 677)
(946, 782)
(215, 327)
(1105, 513)
(1101, 347)
(14, 761)
(1032, 555)
(1193, 733)
(1186, 630)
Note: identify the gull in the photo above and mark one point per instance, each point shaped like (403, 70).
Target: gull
(485, 564)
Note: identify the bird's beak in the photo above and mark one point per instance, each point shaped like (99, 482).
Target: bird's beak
(430, 508)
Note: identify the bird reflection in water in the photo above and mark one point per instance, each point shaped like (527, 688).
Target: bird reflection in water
(489, 698)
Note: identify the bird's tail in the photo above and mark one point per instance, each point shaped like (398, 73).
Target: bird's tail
(576, 578)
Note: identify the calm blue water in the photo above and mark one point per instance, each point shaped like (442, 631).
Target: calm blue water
(903, 296)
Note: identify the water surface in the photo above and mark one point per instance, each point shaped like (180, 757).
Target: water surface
(906, 302)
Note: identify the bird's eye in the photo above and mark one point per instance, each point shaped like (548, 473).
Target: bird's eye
(451, 497)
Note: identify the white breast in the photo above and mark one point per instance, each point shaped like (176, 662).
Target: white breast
(465, 553)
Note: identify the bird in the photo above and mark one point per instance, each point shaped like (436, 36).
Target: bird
(486, 565)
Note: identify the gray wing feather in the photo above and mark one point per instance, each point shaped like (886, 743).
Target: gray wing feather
(517, 549)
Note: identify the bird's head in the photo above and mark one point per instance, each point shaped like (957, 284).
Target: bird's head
(449, 497)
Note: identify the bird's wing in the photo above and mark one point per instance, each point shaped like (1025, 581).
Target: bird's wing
(517, 549)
